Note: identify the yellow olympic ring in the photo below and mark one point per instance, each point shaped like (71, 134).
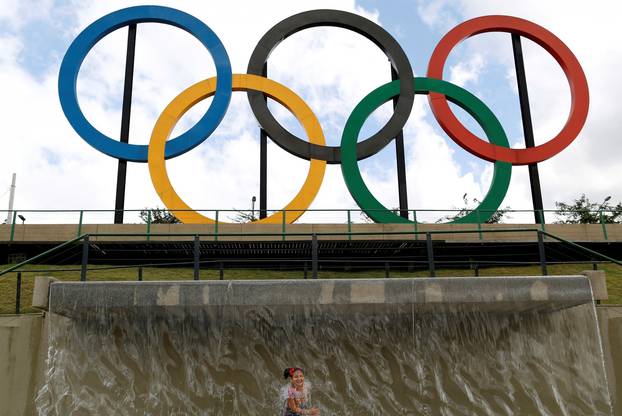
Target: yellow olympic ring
(204, 89)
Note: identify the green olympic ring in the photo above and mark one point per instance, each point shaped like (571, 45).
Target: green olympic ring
(459, 96)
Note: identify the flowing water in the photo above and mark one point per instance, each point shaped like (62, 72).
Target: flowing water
(366, 360)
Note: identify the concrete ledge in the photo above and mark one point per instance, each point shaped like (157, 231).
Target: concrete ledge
(598, 281)
(480, 293)
(41, 292)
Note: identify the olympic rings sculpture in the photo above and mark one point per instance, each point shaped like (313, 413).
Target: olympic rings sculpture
(257, 87)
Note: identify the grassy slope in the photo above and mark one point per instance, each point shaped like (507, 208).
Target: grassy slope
(8, 290)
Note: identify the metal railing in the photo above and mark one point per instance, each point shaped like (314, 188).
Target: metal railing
(337, 216)
(309, 265)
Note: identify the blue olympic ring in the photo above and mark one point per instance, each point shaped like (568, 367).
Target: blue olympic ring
(95, 32)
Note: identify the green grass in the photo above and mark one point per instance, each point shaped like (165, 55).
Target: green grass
(8, 282)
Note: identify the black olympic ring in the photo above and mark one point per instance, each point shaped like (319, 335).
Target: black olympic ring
(355, 23)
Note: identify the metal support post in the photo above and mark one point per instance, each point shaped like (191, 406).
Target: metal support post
(80, 224)
(387, 270)
(125, 121)
(18, 293)
(431, 268)
(263, 163)
(542, 254)
(305, 270)
(401, 162)
(534, 177)
(349, 225)
(222, 271)
(197, 256)
(314, 260)
(85, 258)
(140, 274)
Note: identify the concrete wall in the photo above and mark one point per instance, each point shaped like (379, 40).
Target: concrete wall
(610, 321)
(23, 350)
(64, 232)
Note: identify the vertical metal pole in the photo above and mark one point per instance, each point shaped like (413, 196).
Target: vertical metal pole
(9, 217)
(85, 258)
(263, 164)
(431, 268)
(542, 254)
(401, 162)
(140, 274)
(80, 224)
(149, 219)
(314, 250)
(416, 224)
(387, 270)
(197, 256)
(18, 293)
(13, 226)
(305, 270)
(534, 177)
(216, 226)
(602, 224)
(222, 271)
(349, 225)
(125, 121)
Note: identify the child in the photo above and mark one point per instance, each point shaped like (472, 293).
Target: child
(297, 395)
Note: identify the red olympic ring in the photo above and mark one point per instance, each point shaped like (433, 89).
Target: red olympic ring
(553, 45)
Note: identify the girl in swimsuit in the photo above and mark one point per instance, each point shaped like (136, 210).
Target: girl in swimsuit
(297, 400)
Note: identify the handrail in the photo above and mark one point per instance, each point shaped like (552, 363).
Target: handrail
(587, 250)
(45, 253)
(308, 234)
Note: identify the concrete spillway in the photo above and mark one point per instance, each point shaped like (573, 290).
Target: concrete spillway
(481, 294)
(463, 346)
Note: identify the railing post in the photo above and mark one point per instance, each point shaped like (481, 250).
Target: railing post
(85, 258)
(314, 260)
(222, 271)
(18, 293)
(349, 225)
(305, 270)
(197, 256)
(80, 223)
(216, 226)
(602, 224)
(431, 268)
(140, 274)
(416, 224)
(542, 254)
(149, 224)
(13, 226)
(479, 225)
(387, 270)
(283, 226)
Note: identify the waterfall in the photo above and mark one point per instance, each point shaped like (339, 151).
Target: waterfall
(366, 359)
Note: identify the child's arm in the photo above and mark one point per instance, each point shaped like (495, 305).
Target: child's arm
(291, 403)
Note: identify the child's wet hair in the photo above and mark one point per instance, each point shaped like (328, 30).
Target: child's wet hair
(289, 372)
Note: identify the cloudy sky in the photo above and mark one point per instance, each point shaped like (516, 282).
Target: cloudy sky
(332, 70)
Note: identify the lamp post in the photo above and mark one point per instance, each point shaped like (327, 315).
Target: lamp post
(600, 216)
(600, 208)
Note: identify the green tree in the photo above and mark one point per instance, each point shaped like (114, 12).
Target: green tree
(495, 218)
(158, 216)
(584, 211)
(244, 216)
